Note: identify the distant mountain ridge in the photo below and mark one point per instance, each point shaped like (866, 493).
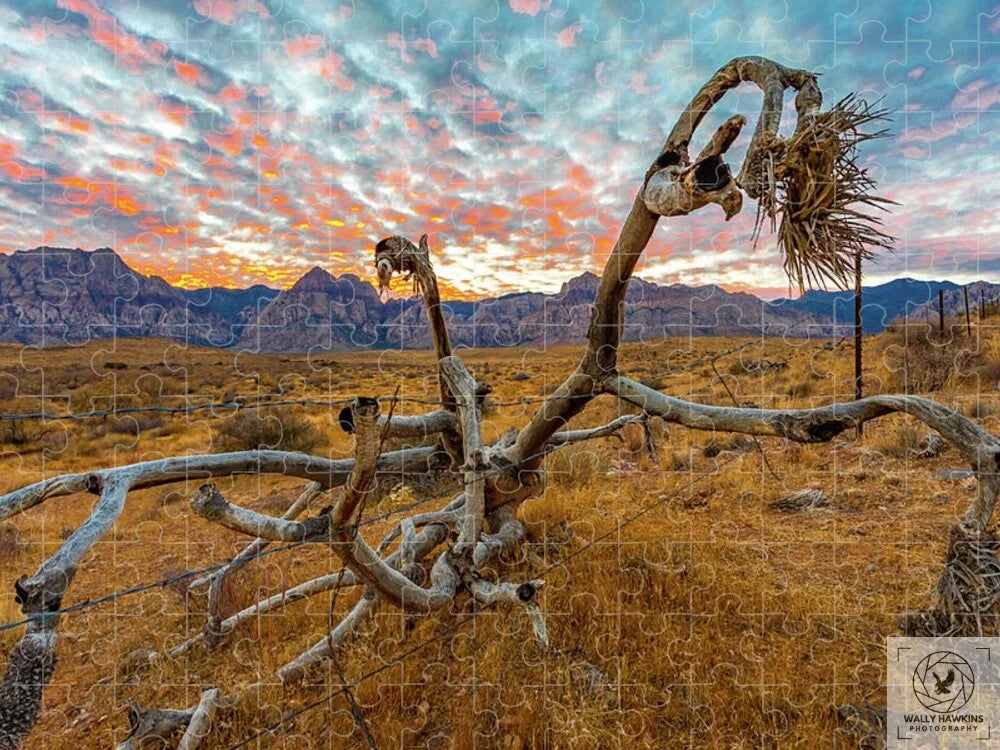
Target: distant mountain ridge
(52, 296)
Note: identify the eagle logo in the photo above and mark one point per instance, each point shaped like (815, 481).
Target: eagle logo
(943, 682)
(943, 687)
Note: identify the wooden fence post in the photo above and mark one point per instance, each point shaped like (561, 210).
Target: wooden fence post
(968, 320)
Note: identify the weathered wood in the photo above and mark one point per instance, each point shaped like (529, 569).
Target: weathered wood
(200, 723)
(218, 580)
(463, 388)
(822, 424)
(566, 437)
(328, 473)
(397, 255)
(309, 493)
(420, 546)
(429, 538)
(43, 591)
(677, 190)
(406, 425)
(151, 727)
(604, 335)
(30, 666)
(209, 503)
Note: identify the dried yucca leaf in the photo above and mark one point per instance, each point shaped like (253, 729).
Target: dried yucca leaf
(821, 199)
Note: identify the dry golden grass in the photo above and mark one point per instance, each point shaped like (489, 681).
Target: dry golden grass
(712, 621)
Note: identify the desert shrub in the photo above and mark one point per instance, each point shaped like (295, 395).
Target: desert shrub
(8, 386)
(922, 361)
(989, 372)
(801, 389)
(735, 443)
(634, 438)
(19, 433)
(896, 440)
(10, 540)
(576, 465)
(980, 408)
(277, 430)
(134, 425)
(677, 461)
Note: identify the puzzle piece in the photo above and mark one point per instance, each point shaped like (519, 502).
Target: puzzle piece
(190, 195)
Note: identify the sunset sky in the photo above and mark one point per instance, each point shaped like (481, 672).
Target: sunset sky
(231, 142)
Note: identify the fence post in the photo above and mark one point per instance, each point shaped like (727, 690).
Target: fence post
(968, 320)
(857, 333)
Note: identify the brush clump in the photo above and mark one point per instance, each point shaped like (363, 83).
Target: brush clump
(816, 195)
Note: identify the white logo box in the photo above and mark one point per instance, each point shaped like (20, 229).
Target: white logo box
(943, 693)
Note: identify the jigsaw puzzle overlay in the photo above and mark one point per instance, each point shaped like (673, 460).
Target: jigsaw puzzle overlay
(328, 418)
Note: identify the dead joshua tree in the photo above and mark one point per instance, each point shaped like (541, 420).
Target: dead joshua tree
(809, 183)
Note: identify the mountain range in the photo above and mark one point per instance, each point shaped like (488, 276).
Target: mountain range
(53, 296)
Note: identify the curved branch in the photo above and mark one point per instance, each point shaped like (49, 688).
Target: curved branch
(604, 335)
(309, 493)
(819, 425)
(209, 503)
(42, 592)
(327, 472)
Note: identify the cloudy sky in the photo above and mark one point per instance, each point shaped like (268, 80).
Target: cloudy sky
(230, 142)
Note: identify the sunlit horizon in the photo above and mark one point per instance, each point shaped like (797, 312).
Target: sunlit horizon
(229, 143)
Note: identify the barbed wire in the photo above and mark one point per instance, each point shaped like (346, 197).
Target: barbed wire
(254, 402)
(247, 405)
(169, 580)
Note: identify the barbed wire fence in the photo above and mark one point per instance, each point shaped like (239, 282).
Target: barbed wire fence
(261, 401)
(258, 402)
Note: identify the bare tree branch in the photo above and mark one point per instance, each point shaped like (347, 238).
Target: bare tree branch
(200, 723)
(209, 503)
(328, 473)
(604, 336)
(463, 387)
(566, 437)
(979, 447)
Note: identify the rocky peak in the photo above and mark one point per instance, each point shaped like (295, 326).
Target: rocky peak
(316, 280)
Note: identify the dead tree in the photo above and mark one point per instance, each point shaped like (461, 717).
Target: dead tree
(809, 185)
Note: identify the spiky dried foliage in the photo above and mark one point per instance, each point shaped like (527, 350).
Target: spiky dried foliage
(818, 195)
(397, 255)
(967, 592)
(802, 500)
(969, 586)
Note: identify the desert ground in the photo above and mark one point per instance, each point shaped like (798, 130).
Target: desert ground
(713, 619)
